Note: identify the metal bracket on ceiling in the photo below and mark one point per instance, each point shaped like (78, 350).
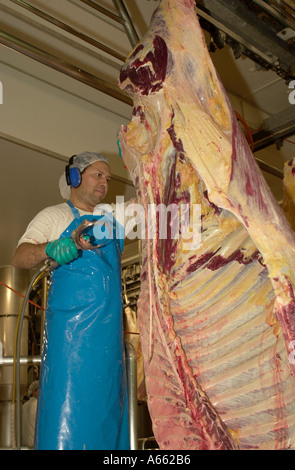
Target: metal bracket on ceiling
(256, 39)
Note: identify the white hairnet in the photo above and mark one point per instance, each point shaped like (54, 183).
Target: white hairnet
(81, 161)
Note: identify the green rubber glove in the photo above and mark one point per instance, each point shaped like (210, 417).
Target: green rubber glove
(63, 250)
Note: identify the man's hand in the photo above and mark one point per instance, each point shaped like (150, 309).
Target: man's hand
(63, 250)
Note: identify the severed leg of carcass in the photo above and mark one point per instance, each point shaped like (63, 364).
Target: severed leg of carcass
(216, 318)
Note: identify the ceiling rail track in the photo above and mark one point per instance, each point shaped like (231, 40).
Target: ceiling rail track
(104, 11)
(69, 29)
(62, 66)
(29, 50)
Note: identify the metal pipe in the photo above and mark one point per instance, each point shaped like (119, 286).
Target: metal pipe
(18, 334)
(270, 169)
(131, 259)
(128, 25)
(69, 29)
(63, 66)
(23, 360)
(43, 304)
(131, 362)
(103, 10)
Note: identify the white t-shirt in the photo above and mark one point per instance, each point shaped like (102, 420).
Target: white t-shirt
(52, 221)
(49, 224)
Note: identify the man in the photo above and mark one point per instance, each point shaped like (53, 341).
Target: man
(82, 396)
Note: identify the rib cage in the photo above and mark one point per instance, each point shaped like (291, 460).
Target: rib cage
(222, 322)
(235, 353)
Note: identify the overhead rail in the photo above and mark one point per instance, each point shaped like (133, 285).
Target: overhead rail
(272, 170)
(29, 50)
(67, 68)
(52, 20)
(123, 18)
(259, 39)
(104, 11)
(62, 66)
(275, 129)
(283, 18)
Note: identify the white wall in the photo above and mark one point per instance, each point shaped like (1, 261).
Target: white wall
(63, 119)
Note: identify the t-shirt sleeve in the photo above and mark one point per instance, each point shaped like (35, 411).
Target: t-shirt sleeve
(46, 226)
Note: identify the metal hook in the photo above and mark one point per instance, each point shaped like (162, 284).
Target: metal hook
(81, 242)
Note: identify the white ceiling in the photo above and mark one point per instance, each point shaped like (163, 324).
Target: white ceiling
(28, 173)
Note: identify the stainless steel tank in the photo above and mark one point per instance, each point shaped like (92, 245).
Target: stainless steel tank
(10, 306)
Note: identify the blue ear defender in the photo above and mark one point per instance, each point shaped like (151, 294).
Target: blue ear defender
(73, 175)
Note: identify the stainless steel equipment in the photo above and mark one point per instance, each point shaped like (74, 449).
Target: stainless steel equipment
(10, 306)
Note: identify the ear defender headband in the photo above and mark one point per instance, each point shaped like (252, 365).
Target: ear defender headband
(73, 175)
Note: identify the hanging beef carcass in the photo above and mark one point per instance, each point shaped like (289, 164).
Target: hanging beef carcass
(217, 321)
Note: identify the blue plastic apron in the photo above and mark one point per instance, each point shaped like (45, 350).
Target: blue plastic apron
(82, 402)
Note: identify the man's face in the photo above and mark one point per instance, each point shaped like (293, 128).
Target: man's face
(94, 185)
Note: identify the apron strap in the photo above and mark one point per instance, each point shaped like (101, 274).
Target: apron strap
(74, 210)
(119, 234)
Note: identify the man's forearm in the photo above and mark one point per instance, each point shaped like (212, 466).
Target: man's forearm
(29, 255)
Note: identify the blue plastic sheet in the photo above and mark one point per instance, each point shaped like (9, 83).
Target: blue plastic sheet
(83, 394)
